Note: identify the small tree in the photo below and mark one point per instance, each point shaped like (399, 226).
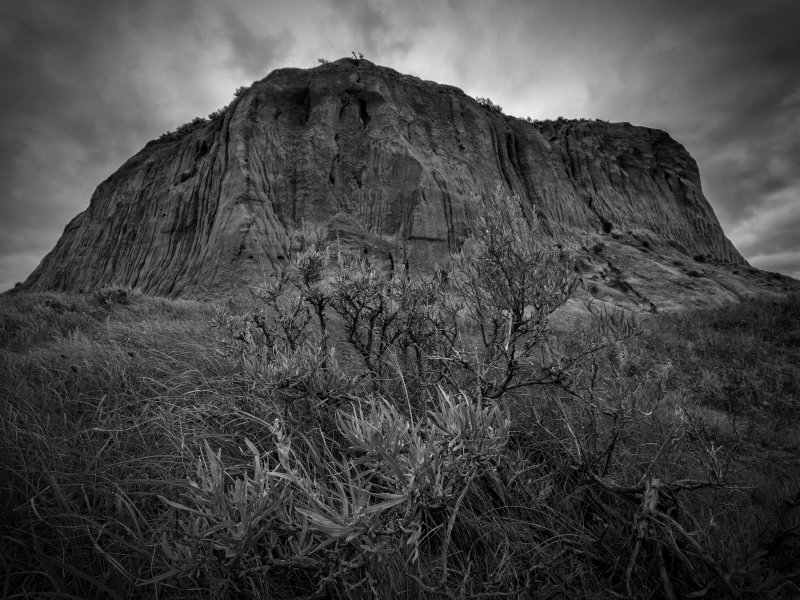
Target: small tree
(483, 328)
(457, 355)
(487, 103)
(509, 286)
(217, 114)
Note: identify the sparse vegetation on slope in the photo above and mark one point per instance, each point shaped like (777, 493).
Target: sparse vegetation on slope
(359, 434)
(487, 103)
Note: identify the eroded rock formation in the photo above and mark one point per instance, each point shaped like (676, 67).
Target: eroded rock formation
(212, 208)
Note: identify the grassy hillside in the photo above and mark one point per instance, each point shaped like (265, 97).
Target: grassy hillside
(109, 409)
(411, 438)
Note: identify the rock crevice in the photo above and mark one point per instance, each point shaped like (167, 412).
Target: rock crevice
(214, 208)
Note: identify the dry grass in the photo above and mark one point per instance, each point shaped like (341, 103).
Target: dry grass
(140, 460)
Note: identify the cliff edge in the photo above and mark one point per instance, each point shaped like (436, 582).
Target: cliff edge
(354, 147)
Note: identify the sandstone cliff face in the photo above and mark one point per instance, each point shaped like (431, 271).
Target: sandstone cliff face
(215, 207)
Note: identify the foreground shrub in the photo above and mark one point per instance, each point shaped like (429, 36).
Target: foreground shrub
(360, 433)
(624, 460)
(309, 520)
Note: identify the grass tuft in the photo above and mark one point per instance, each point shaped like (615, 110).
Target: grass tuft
(159, 448)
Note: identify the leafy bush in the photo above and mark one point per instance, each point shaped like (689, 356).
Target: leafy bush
(217, 114)
(487, 103)
(182, 130)
(191, 125)
(300, 506)
(351, 432)
(422, 342)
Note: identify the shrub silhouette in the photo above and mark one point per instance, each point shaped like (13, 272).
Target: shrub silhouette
(425, 453)
(487, 103)
(351, 432)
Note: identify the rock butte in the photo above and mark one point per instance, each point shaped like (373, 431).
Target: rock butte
(383, 164)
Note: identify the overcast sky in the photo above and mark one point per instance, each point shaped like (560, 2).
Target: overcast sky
(85, 84)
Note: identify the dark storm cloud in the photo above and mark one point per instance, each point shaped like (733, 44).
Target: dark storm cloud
(86, 84)
(722, 78)
(251, 50)
(780, 235)
(735, 105)
(769, 238)
(378, 27)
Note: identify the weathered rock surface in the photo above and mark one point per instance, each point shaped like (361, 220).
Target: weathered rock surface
(212, 208)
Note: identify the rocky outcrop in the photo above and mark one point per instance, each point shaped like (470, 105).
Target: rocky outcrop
(216, 205)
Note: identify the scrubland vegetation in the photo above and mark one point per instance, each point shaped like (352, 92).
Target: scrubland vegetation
(351, 433)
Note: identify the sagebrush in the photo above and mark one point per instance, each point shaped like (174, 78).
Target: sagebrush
(357, 432)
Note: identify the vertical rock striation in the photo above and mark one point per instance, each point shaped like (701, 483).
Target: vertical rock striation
(215, 206)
